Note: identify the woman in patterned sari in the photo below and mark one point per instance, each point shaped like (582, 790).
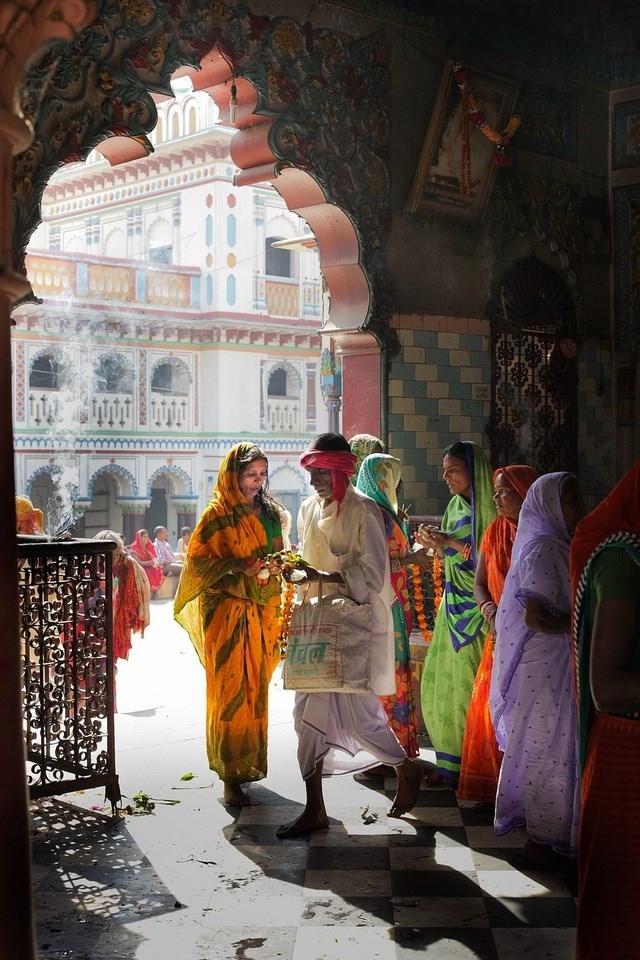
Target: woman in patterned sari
(379, 478)
(605, 578)
(460, 629)
(227, 601)
(481, 756)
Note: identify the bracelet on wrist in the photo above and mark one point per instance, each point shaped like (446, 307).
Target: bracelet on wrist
(487, 604)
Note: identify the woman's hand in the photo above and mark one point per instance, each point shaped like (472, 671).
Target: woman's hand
(296, 574)
(433, 538)
(419, 558)
(249, 566)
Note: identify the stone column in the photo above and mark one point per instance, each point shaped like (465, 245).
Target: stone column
(186, 508)
(23, 30)
(16, 909)
(133, 513)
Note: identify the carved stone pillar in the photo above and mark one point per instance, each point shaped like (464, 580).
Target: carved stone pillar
(362, 385)
(16, 915)
(133, 514)
(24, 26)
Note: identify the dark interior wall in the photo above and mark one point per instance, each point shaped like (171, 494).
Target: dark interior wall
(444, 266)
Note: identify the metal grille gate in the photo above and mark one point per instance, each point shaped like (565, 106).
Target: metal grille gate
(533, 370)
(65, 605)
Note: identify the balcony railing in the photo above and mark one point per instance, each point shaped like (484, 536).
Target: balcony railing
(108, 411)
(283, 415)
(111, 411)
(168, 413)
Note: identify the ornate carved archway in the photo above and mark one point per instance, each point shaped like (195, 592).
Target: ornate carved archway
(311, 118)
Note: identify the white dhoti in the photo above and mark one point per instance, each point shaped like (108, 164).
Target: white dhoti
(348, 731)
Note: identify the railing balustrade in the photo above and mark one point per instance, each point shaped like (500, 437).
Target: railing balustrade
(283, 416)
(169, 413)
(116, 411)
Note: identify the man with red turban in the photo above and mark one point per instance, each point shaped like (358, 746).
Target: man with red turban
(342, 539)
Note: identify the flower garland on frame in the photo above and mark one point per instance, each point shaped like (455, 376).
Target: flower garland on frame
(472, 113)
(286, 609)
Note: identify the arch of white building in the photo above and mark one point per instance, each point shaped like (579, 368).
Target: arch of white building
(178, 478)
(125, 482)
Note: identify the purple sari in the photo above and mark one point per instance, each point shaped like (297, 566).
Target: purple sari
(532, 702)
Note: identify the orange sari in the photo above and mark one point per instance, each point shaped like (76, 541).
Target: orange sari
(232, 621)
(481, 757)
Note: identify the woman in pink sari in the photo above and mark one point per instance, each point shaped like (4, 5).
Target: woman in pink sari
(145, 553)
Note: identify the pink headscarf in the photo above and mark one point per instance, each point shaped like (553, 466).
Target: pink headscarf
(341, 463)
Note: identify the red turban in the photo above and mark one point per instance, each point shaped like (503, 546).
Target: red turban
(341, 463)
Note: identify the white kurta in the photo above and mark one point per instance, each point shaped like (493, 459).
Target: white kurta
(350, 541)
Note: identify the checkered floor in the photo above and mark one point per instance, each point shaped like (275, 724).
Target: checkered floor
(197, 881)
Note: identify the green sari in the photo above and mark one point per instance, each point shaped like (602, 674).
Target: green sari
(460, 629)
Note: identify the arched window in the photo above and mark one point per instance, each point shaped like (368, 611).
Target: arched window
(277, 383)
(159, 241)
(283, 400)
(113, 374)
(170, 378)
(533, 369)
(48, 371)
(277, 261)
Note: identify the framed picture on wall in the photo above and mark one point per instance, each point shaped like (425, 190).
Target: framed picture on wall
(625, 135)
(436, 185)
(595, 238)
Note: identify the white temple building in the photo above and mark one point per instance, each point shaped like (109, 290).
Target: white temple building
(168, 328)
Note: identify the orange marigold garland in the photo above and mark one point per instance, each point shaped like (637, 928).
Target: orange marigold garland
(286, 609)
(418, 601)
(472, 113)
(437, 582)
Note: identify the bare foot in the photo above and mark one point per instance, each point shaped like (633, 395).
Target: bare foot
(382, 770)
(234, 796)
(409, 780)
(306, 823)
(436, 779)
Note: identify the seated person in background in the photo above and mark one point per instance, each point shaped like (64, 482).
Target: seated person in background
(145, 553)
(171, 566)
(183, 544)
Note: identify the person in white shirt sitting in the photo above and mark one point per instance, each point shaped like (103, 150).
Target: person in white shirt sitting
(171, 565)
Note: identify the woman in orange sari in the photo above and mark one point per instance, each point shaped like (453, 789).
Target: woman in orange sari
(228, 602)
(480, 754)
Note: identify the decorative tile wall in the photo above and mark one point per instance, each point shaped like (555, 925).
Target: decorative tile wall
(439, 392)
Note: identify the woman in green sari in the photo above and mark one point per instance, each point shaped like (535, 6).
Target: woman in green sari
(460, 629)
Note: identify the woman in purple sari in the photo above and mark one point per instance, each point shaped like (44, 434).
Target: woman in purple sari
(532, 701)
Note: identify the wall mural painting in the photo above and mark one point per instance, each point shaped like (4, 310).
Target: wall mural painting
(625, 135)
(549, 122)
(326, 92)
(454, 178)
(627, 265)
